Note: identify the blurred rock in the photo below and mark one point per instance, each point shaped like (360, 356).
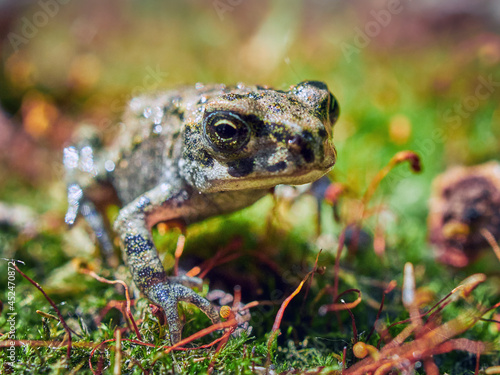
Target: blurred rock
(464, 201)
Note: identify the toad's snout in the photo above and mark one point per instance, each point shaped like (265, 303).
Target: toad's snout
(318, 151)
(330, 155)
(299, 145)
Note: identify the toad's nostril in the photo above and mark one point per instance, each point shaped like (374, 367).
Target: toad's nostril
(298, 145)
(295, 141)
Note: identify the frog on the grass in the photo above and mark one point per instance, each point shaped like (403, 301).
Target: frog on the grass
(193, 153)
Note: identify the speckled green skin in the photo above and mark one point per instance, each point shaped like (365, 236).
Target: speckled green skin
(197, 152)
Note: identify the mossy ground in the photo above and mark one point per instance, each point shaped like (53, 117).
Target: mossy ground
(394, 94)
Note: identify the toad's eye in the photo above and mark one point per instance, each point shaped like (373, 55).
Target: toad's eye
(226, 131)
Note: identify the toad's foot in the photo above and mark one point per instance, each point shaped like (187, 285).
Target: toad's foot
(168, 294)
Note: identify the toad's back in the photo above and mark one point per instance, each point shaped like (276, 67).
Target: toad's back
(148, 146)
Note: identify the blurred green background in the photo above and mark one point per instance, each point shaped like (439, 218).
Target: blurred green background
(401, 70)
(419, 75)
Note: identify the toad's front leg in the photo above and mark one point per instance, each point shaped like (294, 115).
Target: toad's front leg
(146, 267)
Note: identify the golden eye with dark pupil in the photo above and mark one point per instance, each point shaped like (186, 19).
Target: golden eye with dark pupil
(226, 131)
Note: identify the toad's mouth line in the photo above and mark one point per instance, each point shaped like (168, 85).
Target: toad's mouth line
(267, 182)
